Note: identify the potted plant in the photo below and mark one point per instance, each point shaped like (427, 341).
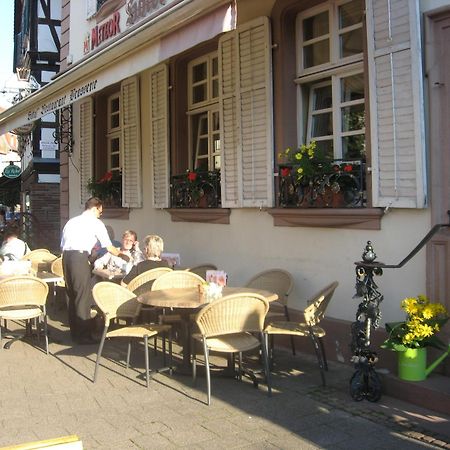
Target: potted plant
(108, 188)
(411, 337)
(309, 177)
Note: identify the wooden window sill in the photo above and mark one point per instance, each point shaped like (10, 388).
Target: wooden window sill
(204, 215)
(355, 218)
(116, 213)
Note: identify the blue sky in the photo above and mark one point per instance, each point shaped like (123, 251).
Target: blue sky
(6, 39)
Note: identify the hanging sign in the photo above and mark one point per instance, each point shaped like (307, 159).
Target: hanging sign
(11, 171)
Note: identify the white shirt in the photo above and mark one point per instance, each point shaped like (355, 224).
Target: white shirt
(14, 249)
(82, 233)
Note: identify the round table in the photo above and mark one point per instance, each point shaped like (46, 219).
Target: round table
(188, 299)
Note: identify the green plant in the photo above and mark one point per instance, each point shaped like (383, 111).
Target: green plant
(107, 188)
(307, 161)
(423, 321)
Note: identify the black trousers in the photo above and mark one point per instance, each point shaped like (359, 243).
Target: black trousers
(77, 276)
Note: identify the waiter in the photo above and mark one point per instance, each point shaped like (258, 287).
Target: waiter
(79, 236)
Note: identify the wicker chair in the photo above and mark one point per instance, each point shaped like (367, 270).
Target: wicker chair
(115, 301)
(23, 297)
(226, 325)
(41, 259)
(175, 279)
(144, 281)
(279, 281)
(202, 268)
(310, 328)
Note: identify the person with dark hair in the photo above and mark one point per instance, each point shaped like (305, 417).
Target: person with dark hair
(78, 238)
(13, 248)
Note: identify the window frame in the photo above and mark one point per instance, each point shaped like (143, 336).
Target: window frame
(209, 106)
(113, 133)
(334, 33)
(305, 114)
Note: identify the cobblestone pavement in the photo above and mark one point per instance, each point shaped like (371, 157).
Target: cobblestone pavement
(43, 397)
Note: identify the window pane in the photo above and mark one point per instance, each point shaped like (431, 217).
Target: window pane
(353, 146)
(115, 160)
(351, 13)
(115, 104)
(115, 145)
(217, 162)
(322, 98)
(202, 147)
(322, 125)
(315, 54)
(351, 43)
(353, 118)
(216, 144)
(114, 121)
(215, 67)
(325, 147)
(215, 120)
(352, 88)
(202, 164)
(215, 88)
(199, 72)
(199, 93)
(315, 26)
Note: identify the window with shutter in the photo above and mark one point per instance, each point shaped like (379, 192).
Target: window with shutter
(397, 122)
(246, 109)
(86, 153)
(159, 134)
(130, 128)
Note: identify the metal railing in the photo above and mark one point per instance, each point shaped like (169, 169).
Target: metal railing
(195, 190)
(342, 187)
(365, 382)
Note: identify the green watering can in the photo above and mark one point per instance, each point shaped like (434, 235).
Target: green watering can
(412, 363)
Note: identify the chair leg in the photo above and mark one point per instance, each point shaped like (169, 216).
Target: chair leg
(45, 332)
(170, 352)
(318, 355)
(286, 313)
(324, 355)
(194, 362)
(208, 375)
(99, 352)
(128, 353)
(266, 362)
(146, 360)
(240, 366)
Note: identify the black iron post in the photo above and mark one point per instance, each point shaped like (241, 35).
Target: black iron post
(365, 383)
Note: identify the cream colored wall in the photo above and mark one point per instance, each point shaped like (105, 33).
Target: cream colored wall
(315, 256)
(250, 9)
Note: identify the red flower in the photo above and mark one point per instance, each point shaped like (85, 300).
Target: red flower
(348, 168)
(192, 176)
(107, 177)
(336, 168)
(285, 171)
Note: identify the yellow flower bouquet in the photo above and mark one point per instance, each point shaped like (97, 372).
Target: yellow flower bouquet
(423, 321)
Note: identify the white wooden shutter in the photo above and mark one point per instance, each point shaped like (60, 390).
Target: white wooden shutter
(228, 121)
(86, 149)
(246, 109)
(159, 135)
(131, 143)
(255, 103)
(396, 98)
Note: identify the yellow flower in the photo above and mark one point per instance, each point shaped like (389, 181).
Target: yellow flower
(427, 312)
(300, 170)
(298, 156)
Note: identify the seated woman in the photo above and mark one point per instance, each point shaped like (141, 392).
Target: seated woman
(154, 246)
(130, 247)
(13, 248)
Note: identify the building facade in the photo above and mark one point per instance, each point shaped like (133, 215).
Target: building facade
(188, 107)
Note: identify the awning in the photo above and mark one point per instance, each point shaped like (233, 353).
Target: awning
(132, 52)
